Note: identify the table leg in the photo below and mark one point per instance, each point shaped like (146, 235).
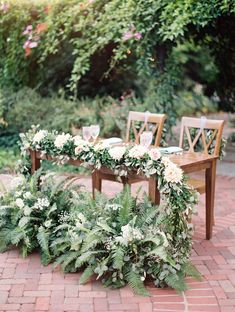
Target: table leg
(35, 162)
(96, 182)
(154, 193)
(210, 197)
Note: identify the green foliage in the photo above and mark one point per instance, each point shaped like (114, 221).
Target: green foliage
(128, 43)
(28, 214)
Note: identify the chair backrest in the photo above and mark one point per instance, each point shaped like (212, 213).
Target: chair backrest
(202, 132)
(139, 122)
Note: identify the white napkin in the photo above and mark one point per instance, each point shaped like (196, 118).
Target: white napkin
(113, 141)
(171, 150)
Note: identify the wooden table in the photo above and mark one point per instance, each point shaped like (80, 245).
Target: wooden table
(189, 162)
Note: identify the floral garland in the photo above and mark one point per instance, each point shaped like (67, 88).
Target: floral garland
(178, 198)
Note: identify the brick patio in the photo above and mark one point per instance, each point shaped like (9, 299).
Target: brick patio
(25, 285)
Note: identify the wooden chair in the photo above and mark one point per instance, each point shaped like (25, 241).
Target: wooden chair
(145, 122)
(199, 140)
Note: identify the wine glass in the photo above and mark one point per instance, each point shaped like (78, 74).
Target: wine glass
(146, 138)
(86, 133)
(94, 130)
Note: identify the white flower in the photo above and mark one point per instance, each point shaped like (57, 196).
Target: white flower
(81, 217)
(62, 139)
(39, 136)
(16, 182)
(47, 223)
(19, 203)
(137, 151)
(117, 152)
(27, 211)
(27, 195)
(80, 144)
(166, 160)
(154, 153)
(101, 146)
(128, 235)
(173, 174)
(77, 139)
(42, 203)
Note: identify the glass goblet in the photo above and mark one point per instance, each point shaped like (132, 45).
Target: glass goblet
(95, 130)
(86, 133)
(146, 138)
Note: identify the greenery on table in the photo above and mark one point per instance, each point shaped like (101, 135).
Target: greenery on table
(122, 240)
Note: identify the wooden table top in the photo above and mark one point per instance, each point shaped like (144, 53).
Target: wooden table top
(189, 161)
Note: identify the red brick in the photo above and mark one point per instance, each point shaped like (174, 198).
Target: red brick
(37, 293)
(42, 304)
(93, 294)
(145, 307)
(124, 307)
(17, 290)
(3, 296)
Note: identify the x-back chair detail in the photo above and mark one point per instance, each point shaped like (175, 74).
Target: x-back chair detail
(145, 122)
(206, 138)
(149, 122)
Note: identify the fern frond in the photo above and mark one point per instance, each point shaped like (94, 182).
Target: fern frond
(176, 281)
(86, 275)
(127, 203)
(192, 271)
(85, 257)
(136, 284)
(43, 240)
(91, 240)
(118, 257)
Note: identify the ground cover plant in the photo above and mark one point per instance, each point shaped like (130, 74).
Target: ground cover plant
(121, 240)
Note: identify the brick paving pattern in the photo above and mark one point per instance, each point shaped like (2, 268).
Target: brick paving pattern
(25, 285)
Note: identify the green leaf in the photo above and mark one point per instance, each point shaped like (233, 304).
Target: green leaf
(136, 284)
(86, 275)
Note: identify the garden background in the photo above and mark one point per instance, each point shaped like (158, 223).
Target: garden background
(67, 63)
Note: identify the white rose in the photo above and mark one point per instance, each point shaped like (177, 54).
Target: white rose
(19, 203)
(27, 211)
(137, 151)
(80, 143)
(61, 139)
(117, 152)
(39, 136)
(154, 153)
(173, 174)
(16, 182)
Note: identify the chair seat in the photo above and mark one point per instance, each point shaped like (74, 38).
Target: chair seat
(198, 185)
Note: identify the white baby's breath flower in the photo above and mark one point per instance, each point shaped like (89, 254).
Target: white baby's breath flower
(39, 136)
(62, 139)
(154, 153)
(173, 174)
(19, 202)
(117, 152)
(42, 203)
(137, 151)
(16, 182)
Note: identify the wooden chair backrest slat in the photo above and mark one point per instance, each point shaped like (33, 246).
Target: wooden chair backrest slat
(146, 119)
(216, 127)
